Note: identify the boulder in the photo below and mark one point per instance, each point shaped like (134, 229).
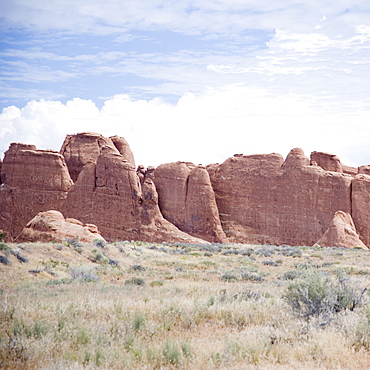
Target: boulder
(341, 233)
(187, 200)
(51, 226)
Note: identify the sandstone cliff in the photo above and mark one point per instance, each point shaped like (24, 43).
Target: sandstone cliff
(32, 181)
(251, 199)
(264, 199)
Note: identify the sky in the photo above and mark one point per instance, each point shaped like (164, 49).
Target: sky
(188, 80)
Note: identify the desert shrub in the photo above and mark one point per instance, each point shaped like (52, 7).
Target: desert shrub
(171, 353)
(291, 252)
(83, 273)
(247, 252)
(100, 243)
(229, 277)
(251, 276)
(113, 263)
(157, 283)
(74, 243)
(98, 257)
(19, 257)
(270, 263)
(228, 252)
(265, 252)
(290, 275)
(138, 268)
(4, 260)
(4, 247)
(135, 281)
(139, 321)
(316, 293)
(362, 330)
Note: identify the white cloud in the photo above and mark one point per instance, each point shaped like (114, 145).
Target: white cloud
(188, 16)
(203, 128)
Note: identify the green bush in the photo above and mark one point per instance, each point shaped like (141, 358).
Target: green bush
(316, 293)
(99, 257)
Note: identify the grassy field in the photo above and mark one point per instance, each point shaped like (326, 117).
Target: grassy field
(148, 306)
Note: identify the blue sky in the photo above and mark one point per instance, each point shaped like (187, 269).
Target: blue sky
(188, 80)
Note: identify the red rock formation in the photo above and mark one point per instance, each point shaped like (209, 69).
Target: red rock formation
(255, 198)
(33, 181)
(187, 200)
(81, 149)
(341, 233)
(51, 226)
(264, 199)
(109, 194)
(122, 146)
(353, 171)
(364, 169)
(361, 206)
(328, 162)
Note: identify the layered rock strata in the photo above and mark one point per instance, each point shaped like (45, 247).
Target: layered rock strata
(264, 199)
(250, 199)
(32, 181)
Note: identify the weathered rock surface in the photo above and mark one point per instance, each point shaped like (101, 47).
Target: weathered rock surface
(109, 194)
(328, 162)
(32, 181)
(249, 199)
(81, 149)
(361, 206)
(52, 226)
(264, 199)
(364, 169)
(124, 149)
(187, 200)
(341, 233)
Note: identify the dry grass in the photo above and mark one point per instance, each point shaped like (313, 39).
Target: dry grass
(146, 306)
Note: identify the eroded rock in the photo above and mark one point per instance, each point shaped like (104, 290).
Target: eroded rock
(341, 233)
(52, 226)
(264, 199)
(327, 161)
(187, 200)
(32, 181)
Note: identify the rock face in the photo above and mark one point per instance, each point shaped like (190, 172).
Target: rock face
(187, 200)
(264, 199)
(32, 181)
(361, 206)
(81, 149)
(109, 194)
(341, 233)
(328, 162)
(250, 199)
(51, 226)
(124, 149)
